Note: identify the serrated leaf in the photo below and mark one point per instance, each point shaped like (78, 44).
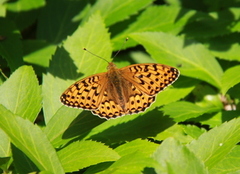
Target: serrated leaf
(181, 111)
(117, 10)
(194, 60)
(230, 78)
(85, 153)
(30, 139)
(214, 145)
(131, 163)
(71, 62)
(38, 52)
(175, 158)
(171, 22)
(176, 131)
(137, 145)
(59, 124)
(21, 93)
(230, 163)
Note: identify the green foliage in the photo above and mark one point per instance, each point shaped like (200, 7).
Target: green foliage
(193, 126)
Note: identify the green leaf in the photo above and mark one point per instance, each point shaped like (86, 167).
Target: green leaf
(11, 46)
(131, 163)
(30, 139)
(59, 123)
(230, 163)
(85, 153)
(173, 157)
(114, 11)
(21, 93)
(230, 78)
(194, 60)
(137, 146)
(5, 151)
(38, 52)
(72, 62)
(214, 145)
(181, 111)
(171, 22)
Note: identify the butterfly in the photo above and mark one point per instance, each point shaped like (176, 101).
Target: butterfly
(120, 91)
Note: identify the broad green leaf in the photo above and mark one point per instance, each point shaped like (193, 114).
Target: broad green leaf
(230, 163)
(5, 151)
(131, 163)
(72, 62)
(38, 52)
(176, 158)
(176, 131)
(194, 60)
(85, 153)
(230, 78)
(21, 93)
(170, 21)
(59, 123)
(214, 145)
(182, 110)
(114, 11)
(30, 139)
(69, 123)
(137, 145)
(11, 46)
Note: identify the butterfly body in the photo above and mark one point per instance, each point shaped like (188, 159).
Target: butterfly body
(118, 92)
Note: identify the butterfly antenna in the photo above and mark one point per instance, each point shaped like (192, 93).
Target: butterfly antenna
(85, 49)
(121, 47)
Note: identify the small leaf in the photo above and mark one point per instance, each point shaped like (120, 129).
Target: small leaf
(85, 153)
(114, 11)
(181, 111)
(230, 78)
(21, 93)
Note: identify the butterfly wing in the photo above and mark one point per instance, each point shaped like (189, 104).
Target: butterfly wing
(86, 93)
(150, 78)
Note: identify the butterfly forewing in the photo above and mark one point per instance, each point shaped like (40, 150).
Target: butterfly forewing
(150, 78)
(85, 93)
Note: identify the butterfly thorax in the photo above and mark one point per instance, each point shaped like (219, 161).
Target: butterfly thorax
(117, 85)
